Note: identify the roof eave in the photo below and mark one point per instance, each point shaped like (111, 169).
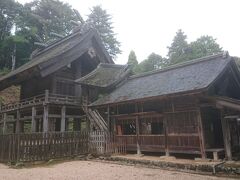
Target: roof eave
(196, 91)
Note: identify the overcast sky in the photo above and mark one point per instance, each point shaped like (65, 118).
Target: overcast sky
(147, 26)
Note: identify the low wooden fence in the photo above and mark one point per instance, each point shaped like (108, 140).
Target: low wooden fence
(45, 146)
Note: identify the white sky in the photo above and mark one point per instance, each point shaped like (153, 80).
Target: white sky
(147, 26)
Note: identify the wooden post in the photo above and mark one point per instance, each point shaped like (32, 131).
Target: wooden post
(18, 125)
(63, 118)
(201, 135)
(46, 96)
(226, 137)
(108, 118)
(33, 119)
(137, 133)
(166, 137)
(4, 123)
(45, 118)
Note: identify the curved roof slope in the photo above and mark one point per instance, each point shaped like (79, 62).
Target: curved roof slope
(56, 55)
(105, 75)
(193, 75)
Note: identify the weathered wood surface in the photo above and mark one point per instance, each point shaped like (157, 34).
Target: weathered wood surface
(45, 146)
(41, 99)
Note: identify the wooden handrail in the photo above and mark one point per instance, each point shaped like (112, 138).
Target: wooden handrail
(47, 97)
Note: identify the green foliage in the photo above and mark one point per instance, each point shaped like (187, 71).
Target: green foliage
(48, 16)
(101, 21)
(181, 51)
(132, 61)
(203, 46)
(176, 50)
(9, 11)
(153, 62)
(37, 17)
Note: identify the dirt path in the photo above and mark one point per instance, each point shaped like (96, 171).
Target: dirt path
(95, 170)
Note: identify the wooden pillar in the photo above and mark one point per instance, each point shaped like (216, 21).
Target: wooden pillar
(4, 123)
(45, 118)
(226, 137)
(166, 136)
(18, 125)
(108, 118)
(201, 135)
(34, 124)
(137, 132)
(46, 96)
(63, 119)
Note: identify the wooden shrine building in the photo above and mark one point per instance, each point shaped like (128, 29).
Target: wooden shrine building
(50, 100)
(72, 83)
(193, 107)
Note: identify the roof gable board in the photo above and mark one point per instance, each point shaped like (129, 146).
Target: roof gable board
(57, 56)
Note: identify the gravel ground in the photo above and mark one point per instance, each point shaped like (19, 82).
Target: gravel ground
(95, 170)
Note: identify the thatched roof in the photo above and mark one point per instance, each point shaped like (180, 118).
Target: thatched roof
(56, 56)
(105, 75)
(190, 76)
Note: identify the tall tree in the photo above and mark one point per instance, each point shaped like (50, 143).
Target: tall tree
(132, 59)
(101, 20)
(35, 19)
(203, 46)
(176, 52)
(9, 10)
(48, 16)
(153, 62)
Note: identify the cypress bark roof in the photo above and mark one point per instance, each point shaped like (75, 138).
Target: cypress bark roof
(56, 56)
(105, 75)
(190, 76)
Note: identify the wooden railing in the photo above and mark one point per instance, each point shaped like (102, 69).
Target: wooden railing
(40, 99)
(182, 143)
(45, 146)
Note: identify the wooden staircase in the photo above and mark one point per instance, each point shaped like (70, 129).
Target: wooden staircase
(95, 118)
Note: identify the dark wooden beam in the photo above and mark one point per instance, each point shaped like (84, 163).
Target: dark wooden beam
(166, 136)
(63, 118)
(45, 118)
(152, 113)
(201, 135)
(226, 137)
(137, 131)
(221, 103)
(18, 123)
(33, 127)
(4, 123)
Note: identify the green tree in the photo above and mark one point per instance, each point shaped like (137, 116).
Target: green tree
(176, 52)
(132, 60)
(153, 62)
(101, 21)
(204, 46)
(9, 10)
(48, 16)
(35, 19)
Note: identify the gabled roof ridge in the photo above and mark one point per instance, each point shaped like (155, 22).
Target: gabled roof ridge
(58, 42)
(224, 55)
(112, 65)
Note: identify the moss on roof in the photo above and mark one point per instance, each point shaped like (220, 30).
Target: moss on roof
(104, 75)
